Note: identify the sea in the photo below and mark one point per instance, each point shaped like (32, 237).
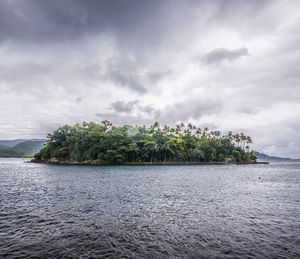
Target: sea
(190, 211)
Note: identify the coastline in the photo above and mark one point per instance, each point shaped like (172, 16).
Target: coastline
(97, 163)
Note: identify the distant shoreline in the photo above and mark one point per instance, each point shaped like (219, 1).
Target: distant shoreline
(144, 163)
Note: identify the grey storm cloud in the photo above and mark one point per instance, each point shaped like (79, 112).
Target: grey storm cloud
(156, 76)
(130, 107)
(132, 21)
(121, 106)
(219, 55)
(64, 20)
(193, 109)
(128, 80)
(137, 61)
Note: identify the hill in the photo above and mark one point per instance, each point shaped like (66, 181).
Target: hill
(263, 156)
(11, 143)
(22, 148)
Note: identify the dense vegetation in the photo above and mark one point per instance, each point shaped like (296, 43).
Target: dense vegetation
(106, 143)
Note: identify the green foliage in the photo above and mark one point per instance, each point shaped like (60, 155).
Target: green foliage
(237, 155)
(106, 143)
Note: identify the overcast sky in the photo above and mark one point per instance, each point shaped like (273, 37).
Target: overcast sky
(228, 65)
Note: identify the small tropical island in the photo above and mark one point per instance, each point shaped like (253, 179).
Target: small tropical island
(105, 143)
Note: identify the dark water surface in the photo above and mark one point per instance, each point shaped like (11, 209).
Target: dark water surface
(249, 211)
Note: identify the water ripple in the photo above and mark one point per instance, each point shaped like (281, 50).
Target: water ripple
(149, 212)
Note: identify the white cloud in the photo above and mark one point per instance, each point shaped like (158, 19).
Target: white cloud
(137, 69)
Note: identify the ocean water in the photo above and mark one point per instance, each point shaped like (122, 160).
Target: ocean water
(220, 211)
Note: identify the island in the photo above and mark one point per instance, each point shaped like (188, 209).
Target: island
(104, 143)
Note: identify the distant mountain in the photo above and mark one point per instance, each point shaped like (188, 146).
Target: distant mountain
(7, 152)
(11, 143)
(21, 148)
(263, 156)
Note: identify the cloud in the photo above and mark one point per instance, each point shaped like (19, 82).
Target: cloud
(69, 20)
(64, 61)
(120, 119)
(123, 107)
(157, 76)
(186, 110)
(130, 81)
(131, 107)
(222, 54)
(148, 109)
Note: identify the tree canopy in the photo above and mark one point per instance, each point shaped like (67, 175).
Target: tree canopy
(105, 143)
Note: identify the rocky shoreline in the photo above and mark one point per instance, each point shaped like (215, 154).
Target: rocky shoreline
(99, 163)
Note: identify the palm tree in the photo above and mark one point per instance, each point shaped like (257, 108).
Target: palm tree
(156, 124)
(107, 143)
(237, 139)
(198, 131)
(249, 141)
(133, 148)
(107, 125)
(230, 136)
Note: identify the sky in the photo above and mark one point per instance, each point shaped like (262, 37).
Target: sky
(224, 64)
